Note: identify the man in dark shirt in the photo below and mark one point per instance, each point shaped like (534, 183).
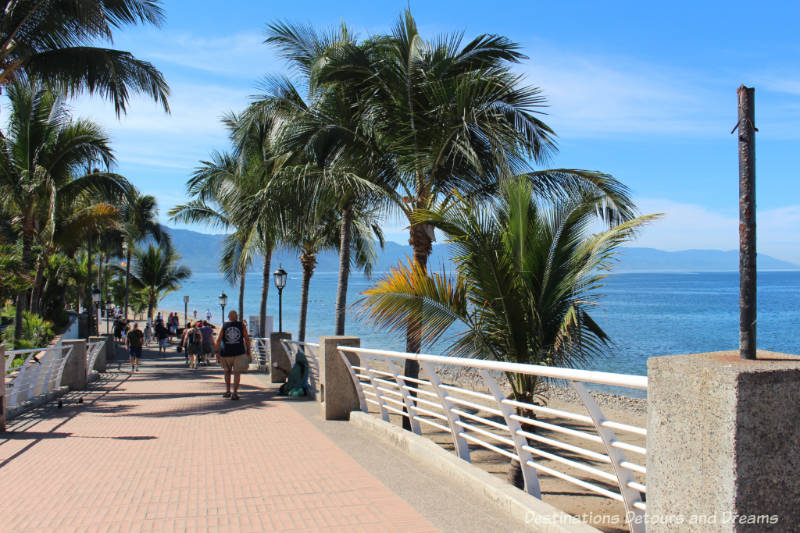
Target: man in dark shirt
(235, 353)
(134, 340)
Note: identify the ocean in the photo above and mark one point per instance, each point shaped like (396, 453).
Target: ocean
(645, 314)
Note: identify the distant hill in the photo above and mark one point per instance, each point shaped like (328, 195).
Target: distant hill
(201, 252)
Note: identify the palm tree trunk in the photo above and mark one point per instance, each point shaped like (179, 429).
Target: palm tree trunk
(242, 278)
(265, 279)
(309, 262)
(37, 284)
(421, 239)
(127, 282)
(22, 297)
(345, 236)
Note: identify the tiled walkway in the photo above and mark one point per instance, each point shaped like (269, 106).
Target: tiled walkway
(161, 450)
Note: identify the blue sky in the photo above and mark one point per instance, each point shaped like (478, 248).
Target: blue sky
(644, 91)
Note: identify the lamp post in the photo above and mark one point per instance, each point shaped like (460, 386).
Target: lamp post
(223, 301)
(97, 296)
(280, 282)
(185, 310)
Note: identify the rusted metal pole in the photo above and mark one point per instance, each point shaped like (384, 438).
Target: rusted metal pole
(747, 223)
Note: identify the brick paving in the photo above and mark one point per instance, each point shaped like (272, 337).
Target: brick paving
(161, 450)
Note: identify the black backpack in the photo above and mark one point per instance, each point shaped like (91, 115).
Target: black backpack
(195, 338)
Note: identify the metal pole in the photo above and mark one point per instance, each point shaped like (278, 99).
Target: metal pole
(280, 310)
(747, 223)
(185, 311)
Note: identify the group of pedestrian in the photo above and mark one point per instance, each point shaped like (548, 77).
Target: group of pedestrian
(198, 343)
(232, 345)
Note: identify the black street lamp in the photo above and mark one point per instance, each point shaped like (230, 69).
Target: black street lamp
(280, 282)
(223, 301)
(185, 309)
(94, 322)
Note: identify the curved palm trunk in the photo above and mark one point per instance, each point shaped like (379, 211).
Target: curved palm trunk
(421, 239)
(309, 262)
(36, 292)
(345, 236)
(242, 278)
(127, 282)
(22, 297)
(262, 311)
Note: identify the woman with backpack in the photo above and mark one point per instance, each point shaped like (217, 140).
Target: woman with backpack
(193, 344)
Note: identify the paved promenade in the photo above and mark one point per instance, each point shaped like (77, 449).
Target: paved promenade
(161, 450)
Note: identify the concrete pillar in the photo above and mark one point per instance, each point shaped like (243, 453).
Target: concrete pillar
(279, 362)
(2, 388)
(100, 362)
(75, 375)
(723, 443)
(337, 393)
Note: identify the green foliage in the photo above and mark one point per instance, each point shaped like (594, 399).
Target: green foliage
(36, 329)
(527, 276)
(56, 42)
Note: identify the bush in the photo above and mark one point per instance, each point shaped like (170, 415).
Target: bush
(36, 329)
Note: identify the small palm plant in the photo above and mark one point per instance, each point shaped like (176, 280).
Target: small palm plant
(526, 276)
(156, 273)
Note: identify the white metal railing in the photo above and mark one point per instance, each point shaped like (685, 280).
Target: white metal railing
(595, 457)
(93, 349)
(39, 373)
(260, 346)
(311, 352)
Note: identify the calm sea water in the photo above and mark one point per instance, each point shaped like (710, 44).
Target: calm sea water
(646, 314)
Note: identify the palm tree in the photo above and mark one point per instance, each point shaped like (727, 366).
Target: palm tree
(40, 154)
(312, 226)
(139, 221)
(454, 118)
(156, 273)
(526, 301)
(54, 42)
(327, 135)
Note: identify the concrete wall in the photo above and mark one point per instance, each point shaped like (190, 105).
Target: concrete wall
(723, 443)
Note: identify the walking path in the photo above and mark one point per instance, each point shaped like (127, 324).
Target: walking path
(161, 450)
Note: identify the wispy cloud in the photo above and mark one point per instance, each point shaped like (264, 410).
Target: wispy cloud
(687, 226)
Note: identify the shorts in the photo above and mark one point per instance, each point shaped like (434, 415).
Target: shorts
(136, 351)
(163, 342)
(237, 363)
(208, 347)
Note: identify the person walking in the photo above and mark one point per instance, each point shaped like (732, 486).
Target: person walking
(208, 341)
(148, 333)
(162, 335)
(134, 343)
(235, 352)
(193, 344)
(208, 315)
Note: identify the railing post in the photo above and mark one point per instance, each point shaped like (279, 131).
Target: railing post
(462, 449)
(529, 474)
(2, 388)
(337, 391)
(378, 393)
(407, 399)
(630, 496)
(722, 438)
(75, 375)
(279, 364)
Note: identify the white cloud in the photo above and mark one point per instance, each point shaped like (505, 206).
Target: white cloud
(690, 226)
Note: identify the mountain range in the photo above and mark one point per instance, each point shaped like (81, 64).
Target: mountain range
(201, 252)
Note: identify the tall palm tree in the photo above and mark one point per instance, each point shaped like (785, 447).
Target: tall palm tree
(42, 151)
(327, 134)
(156, 273)
(55, 42)
(454, 118)
(526, 301)
(139, 221)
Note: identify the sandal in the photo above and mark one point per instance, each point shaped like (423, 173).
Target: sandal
(226, 395)
(235, 397)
